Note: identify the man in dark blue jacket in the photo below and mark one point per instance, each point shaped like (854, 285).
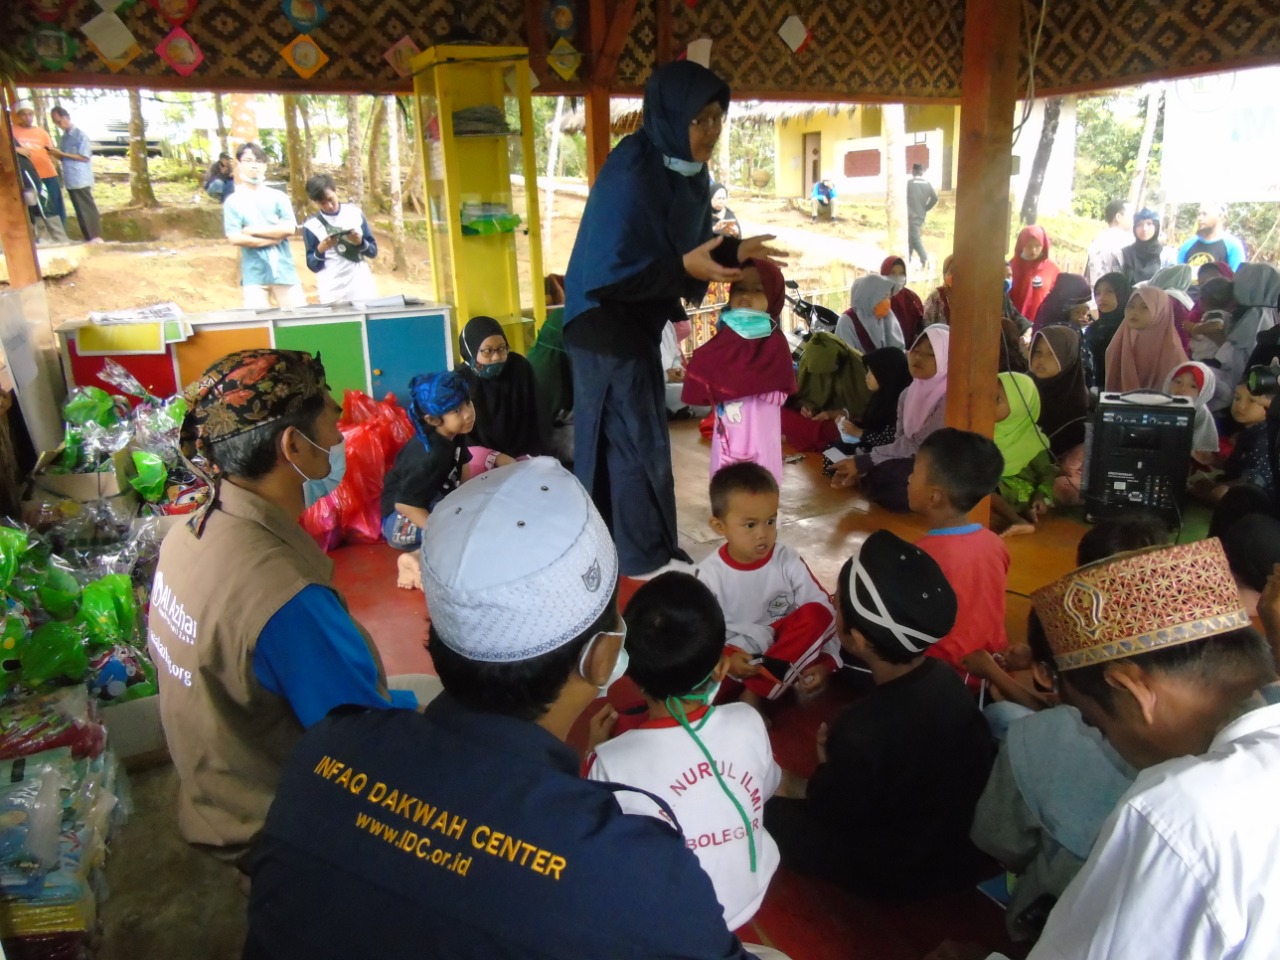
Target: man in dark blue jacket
(466, 831)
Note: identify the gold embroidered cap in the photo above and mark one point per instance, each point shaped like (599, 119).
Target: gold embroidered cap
(1136, 602)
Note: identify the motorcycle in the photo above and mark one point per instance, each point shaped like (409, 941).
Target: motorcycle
(811, 318)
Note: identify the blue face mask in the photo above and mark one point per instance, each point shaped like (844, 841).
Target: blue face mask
(1008, 284)
(748, 324)
(314, 490)
(489, 371)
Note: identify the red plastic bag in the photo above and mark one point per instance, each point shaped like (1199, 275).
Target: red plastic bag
(374, 433)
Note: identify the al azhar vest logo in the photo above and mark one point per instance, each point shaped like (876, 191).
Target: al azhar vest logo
(591, 579)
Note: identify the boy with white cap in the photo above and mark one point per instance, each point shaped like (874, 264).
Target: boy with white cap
(466, 831)
(887, 813)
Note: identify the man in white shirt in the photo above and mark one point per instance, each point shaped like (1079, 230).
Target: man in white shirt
(1155, 649)
(1104, 252)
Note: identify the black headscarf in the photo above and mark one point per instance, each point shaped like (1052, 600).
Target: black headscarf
(1098, 335)
(889, 364)
(507, 417)
(1064, 397)
(1141, 259)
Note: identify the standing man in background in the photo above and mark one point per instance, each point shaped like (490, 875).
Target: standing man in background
(259, 220)
(77, 173)
(1105, 253)
(921, 198)
(37, 146)
(1211, 243)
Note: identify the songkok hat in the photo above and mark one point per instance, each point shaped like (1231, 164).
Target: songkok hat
(248, 389)
(896, 595)
(1138, 602)
(21, 105)
(516, 563)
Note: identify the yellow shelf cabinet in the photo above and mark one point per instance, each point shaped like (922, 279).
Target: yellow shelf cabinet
(496, 273)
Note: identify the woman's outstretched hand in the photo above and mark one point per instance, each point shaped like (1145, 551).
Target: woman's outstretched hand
(758, 248)
(698, 263)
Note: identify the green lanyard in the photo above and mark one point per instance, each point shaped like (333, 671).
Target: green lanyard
(675, 706)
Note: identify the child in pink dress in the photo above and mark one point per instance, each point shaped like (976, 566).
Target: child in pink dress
(745, 372)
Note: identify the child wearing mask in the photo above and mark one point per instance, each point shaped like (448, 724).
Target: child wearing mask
(779, 622)
(427, 467)
(713, 765)
(745, 372)
(887, 813)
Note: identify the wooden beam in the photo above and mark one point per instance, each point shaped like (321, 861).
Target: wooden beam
(604, 70)
(666, 42)
(595, 105)
(536, 38)
(988, 84)
(15, 226)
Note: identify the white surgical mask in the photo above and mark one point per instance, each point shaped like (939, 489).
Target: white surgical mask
(314, 490)
(619, 666)
(337, 463)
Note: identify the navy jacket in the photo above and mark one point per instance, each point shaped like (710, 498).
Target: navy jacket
(461, 834)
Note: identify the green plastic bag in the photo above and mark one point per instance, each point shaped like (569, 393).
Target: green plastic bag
(126, 602)
(98, 615)
(152, 476)
(13, 544)
(55, 651)
(90, 405)
(59, 594)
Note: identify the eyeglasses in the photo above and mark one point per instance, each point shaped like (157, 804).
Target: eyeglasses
(493, 353)
(716, 121)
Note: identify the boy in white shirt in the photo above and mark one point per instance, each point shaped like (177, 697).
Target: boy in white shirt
(780, 624)
(712, 767)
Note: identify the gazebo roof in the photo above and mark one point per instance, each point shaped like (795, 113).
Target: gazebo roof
(858, 50)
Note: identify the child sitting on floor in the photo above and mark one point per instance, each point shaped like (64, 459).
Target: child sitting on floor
(427, 467)
(1197, 382)
(780, 625)
(745, 372)
(953, 471)
(1250, 460)
(887, 812)
(713, 765)
(1025, 491)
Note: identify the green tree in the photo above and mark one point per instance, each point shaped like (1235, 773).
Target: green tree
(1108, 134)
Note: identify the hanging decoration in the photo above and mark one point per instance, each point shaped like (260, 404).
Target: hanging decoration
(305, 15)
(110, 39)
(794, 33)
(400, 54)
(304, 56)
(564, 59)
(179, 51)
(115, 6)
(50, 11)
(562, 18)
(175, 12)
(699, 51)
(52, 47)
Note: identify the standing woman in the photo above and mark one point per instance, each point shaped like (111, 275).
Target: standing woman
(1033, 271)
(645, 243)
(504, 390)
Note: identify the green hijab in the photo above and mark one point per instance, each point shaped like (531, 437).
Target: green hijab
(1019, 439)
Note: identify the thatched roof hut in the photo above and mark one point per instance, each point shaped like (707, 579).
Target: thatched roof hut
(625, 116)
(627, 113)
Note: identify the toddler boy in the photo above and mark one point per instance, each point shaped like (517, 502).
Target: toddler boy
(779, 623)
(953, 471)
(712, 765)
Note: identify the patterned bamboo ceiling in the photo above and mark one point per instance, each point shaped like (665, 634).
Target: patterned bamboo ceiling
(858, 50)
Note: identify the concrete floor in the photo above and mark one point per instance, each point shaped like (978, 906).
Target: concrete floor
(170, 901)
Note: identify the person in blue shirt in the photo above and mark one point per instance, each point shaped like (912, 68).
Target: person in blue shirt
(466, 831)
(823, 198)
(1211, 244)
(76, 151)
(259, 220)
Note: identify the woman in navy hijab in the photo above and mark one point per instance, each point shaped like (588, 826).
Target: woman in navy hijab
(645, 243)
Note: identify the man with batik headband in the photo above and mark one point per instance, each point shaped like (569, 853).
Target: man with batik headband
(251, 641)
(1155, 649)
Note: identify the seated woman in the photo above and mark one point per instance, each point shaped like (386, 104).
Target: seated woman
(1111, 293)
(723, 222)
(869, 323)
(505, 393)
(937, 306)
(1067, 303)
(1147, 346)
(921, 410)
(887, 376)
(905, 303)
(1059, 373)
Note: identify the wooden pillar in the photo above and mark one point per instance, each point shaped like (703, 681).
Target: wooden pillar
(988, 94)
(608, 35)
(15, 226)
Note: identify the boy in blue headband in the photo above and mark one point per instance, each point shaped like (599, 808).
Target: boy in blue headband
(427, 467)
(712, 765)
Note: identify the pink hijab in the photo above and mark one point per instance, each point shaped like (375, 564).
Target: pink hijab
(1140, 359)
(919, 399)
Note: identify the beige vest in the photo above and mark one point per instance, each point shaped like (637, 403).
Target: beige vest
(229, 737)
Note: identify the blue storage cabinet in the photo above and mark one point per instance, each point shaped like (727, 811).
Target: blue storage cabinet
(404, 342)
